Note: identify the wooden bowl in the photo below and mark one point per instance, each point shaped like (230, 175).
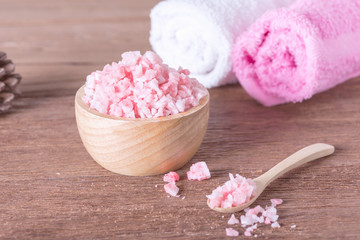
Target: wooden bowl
(141, 147)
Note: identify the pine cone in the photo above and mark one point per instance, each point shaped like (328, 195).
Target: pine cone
(9, 82)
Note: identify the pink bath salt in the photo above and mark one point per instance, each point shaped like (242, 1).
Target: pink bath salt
(251, 216)
(248, 220)
(233, 220)
(267, 221)
(247, 234)
(256, 210)
(171, 189)
(141, 86)
(276, 201)
(231, 232)
(249, 230)
(261, 219)
(235, 192)
(275, 225)
(198, 171)
(171, 177)
(271, 213)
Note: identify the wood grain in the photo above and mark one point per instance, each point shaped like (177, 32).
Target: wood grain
(52, 189)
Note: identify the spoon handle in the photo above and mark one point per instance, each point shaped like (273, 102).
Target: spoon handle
(302, 156)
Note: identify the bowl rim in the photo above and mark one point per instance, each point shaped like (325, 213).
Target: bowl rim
(80, 93)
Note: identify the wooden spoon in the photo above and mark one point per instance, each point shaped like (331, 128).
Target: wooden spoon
(302, 156)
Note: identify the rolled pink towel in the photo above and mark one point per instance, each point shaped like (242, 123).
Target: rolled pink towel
(290, 54)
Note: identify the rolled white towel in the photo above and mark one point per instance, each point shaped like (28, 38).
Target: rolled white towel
(199, 34)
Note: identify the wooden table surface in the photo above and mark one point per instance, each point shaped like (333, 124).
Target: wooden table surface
(52, 189)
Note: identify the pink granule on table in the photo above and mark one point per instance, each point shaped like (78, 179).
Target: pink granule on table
(276, 201)
(275, 225)
(231, 232)
(171, 177)
(249, 230)
(199, 171)
(142, 87)
(251, 217)
(233, 220)
(171, 189)
(268, 216)
(247, 233)
(235, 192)
(271, 213)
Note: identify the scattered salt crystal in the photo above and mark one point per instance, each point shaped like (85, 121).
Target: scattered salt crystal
(183, 198)
(256, 210)
(141, 86)
(270, 213)
(276, 201)
(233, 220)
(247, 234)
(251, 216)
(57, 173)
(211, 228)
(255, 236)
(199, 171)
(275, 225)
(171, 177)
(249, 230)
(235, 192)
(254, 226)
(293, 226)
(156, 185)
(171, 189)
(231, 232)
(222, 216)
(248, 220)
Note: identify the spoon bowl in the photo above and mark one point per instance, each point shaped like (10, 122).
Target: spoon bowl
(141, 147)
(297, 159)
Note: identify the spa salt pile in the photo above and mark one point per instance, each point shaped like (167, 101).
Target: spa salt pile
(142, 87)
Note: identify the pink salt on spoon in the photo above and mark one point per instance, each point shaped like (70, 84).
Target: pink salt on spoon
(226, 199)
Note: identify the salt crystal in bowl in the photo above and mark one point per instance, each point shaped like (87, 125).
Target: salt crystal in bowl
(141, 146)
